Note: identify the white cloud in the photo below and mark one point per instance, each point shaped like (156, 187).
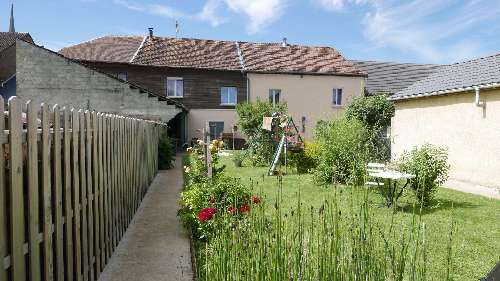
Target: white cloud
(332, 5)
(154, 9)
(261, 13)
(436, 31)
(209, 13)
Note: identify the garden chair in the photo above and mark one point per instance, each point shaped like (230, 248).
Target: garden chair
(374, 168)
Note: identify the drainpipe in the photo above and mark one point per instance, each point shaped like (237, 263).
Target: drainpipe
(248, 89)
(478, 91)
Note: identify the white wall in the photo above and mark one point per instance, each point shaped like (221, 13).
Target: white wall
(471, 133)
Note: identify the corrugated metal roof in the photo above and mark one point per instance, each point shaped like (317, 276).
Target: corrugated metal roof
(392, 77)
(455, 78)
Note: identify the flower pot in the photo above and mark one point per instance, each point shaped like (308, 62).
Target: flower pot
(238, 163)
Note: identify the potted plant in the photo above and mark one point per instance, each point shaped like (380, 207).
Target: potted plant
(238, 157)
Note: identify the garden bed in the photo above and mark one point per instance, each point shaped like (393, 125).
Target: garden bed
(475, 243)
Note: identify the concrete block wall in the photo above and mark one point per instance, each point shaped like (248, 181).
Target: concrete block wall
(47, 77)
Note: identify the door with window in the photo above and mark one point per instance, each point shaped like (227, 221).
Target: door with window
(216, 129)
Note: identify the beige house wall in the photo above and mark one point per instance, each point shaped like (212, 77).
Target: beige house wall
(198, 118)
(308, 96)
(471, 133)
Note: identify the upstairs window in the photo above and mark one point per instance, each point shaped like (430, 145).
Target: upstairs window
(228, 95)
(122, 76)
(337, 97)
(274, 96)
(175, 87)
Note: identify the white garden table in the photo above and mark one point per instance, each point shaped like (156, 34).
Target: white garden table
(391, 179)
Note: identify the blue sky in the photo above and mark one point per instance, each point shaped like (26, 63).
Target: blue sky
(424, 31)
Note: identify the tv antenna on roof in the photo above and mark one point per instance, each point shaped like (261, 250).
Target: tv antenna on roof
(177, 28)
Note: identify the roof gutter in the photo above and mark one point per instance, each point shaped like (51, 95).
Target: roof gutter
(475, 88)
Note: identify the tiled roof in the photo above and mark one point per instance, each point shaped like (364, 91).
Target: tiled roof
(272, 57)
(9, 38)
(215, 54)
(192, 53)
(455, 78)
(390, 77)
(106, 49)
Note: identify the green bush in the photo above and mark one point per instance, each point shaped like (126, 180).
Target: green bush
(166, 152)
(430, 165)
(305, 160)
(260, 142)
(375, 112)
(343, 151)
(238, 157)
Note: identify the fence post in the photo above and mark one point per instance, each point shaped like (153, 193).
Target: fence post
(32, 171)
(17, 226)
(3, 209)
(83, 190)
(47, 197)
(58, 194)
(90, 199)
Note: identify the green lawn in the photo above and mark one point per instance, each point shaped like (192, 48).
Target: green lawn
(476, 242)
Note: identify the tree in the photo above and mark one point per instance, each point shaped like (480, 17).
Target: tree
(260, 142)
(375, 112)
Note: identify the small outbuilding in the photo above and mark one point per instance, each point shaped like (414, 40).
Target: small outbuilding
(457, 107)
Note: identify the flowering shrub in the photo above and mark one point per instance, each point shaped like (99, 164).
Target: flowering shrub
(195, 170)
(209, 202)
(206, 214)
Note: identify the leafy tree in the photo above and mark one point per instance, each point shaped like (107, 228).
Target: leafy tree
(343, 151)
(260, 142)
(375, 112)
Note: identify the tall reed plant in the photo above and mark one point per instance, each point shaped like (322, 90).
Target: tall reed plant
(333, 244)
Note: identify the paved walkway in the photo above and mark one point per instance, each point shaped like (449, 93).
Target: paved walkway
(155, 245)
(490, 192)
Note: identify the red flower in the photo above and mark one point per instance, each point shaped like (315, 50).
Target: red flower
(206, 214)
(245, 208)
(255, 199)
(232, 210)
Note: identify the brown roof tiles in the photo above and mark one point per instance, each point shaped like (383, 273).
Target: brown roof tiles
(106, 49)
(192, 53)
(214, 54)
(9, 38)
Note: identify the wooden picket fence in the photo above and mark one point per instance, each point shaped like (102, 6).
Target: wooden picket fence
(71, 181)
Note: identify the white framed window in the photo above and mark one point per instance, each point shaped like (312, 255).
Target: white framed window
(228, 95)
(175, 87)
(122, 76)
(337, 97)
(274, 96)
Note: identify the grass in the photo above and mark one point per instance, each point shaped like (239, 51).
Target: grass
(476, 241)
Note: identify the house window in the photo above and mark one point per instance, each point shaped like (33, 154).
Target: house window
(175, 87)
(228, 95)
(337, 97)
(274, 96)
(122, 76)
(216, 129)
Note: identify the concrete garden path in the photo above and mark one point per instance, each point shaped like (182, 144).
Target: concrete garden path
(155, 245)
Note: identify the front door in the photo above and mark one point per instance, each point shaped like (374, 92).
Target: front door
(216, 129)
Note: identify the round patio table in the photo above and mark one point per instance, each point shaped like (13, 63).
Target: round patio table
(391, 179)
